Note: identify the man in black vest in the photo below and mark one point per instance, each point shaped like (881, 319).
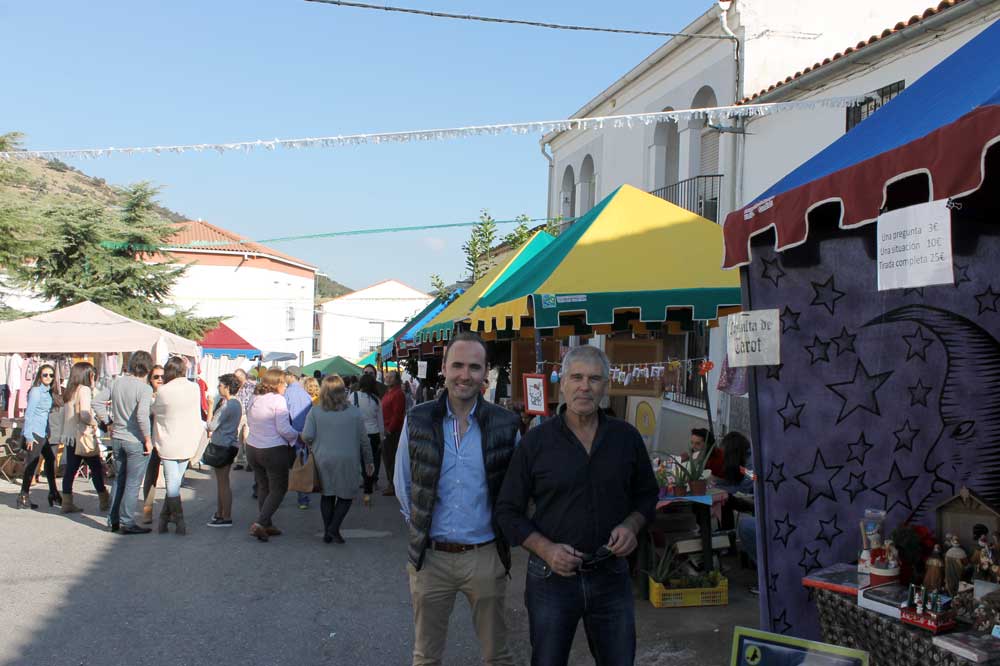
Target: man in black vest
(455, 544)
(594, 489)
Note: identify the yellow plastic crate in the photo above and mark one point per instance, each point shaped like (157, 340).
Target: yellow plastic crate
(667, 597)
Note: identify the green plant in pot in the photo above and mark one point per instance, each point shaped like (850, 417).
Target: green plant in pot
(690, 473)
(670, 572)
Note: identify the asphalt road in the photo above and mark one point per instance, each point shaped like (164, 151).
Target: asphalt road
(75, 594)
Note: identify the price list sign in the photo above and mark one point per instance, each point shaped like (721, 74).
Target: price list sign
(914, 247)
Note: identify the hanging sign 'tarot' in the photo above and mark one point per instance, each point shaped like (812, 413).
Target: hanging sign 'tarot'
(753, 338)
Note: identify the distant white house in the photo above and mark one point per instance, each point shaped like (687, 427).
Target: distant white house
(265, 295)
(355, 324)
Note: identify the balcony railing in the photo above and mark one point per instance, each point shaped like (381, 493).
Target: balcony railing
(698, 195)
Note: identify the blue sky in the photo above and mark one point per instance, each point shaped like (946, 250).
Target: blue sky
(117, 73)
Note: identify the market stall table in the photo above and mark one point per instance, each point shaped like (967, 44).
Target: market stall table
(705, 507)
(888, 641)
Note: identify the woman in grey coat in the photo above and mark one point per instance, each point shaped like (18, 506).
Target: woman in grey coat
(335, 432)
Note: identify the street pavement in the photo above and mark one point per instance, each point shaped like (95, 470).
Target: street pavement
(76, 594)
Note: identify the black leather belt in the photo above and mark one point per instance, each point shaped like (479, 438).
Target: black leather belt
(458, 547)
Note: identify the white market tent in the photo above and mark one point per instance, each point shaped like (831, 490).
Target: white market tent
(87, 327)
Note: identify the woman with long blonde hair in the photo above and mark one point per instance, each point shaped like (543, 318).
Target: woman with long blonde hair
(335, 431)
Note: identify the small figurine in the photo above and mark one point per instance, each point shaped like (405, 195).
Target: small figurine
(891, 555)
(955, 561)
(934, 576)
(920, 594)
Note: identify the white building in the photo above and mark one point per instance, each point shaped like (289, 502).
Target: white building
(266, 296)
(788, 51)
(355, 324)
(691, 163)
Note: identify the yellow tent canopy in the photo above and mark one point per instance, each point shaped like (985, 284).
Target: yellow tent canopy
(633, 251)
(441, 327)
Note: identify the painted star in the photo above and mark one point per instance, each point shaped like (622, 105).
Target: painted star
(772, 271)
(844, 341)
(829, 530)
(987, 300)
(818, 350)
(790, 413)
(856, 485)
(776, 475)
(897, 489)
(819, 479)
(859, 392)
(827, 295)
(790, 320)
(780, 624)
(961, 274)
(859, 449)
(916, 344)
(905, 437)
(919, 291)
(773, 585)
(784, 530)
(774, 371)
(918, 394)
(810, 561)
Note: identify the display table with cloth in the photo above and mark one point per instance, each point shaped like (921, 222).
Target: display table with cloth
(888, 641)
(705, 507)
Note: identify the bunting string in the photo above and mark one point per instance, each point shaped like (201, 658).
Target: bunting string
(713, 115)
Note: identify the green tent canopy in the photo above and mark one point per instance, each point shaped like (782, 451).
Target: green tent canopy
(335, 365)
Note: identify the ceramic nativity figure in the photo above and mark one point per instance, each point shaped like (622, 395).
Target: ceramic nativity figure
(934, 575)
(955, 561)
(982, 560)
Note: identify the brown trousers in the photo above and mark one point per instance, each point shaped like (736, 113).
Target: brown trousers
(480, 576)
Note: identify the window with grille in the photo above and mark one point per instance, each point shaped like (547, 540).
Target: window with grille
(877, 99)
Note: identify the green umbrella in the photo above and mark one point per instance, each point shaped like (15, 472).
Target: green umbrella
(335, 365)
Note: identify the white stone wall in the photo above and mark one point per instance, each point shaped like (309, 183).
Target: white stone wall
(779, 37)
(776, 145)
(256, 303)
(351, 322)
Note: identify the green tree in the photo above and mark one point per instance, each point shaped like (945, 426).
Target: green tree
(92, 256)
(521, 233)
(440, 288)
(553, 225)
(479, 248)
(11, 141)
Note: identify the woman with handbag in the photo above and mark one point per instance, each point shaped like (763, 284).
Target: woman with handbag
(79, 435)
(153, 465)
(177, 431)
(36, 437)
(223, 445)
(268, 449)
(336, 434)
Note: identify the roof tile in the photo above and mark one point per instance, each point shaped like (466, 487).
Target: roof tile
(202, 235)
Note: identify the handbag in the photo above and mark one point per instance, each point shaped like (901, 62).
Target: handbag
(304, 477)
(218, 455)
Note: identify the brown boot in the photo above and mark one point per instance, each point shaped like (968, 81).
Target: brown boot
(162, 528)
(68, 506)
(177, 515)
(105, 499)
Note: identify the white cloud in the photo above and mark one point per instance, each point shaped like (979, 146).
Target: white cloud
(434, 243)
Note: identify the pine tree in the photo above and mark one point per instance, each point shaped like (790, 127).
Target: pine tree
(521, 233)
(90, 256)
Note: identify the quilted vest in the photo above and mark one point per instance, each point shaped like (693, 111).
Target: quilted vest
(499, 428)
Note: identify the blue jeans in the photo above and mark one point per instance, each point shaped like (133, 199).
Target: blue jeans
(173, 474)
(132, 460)
(602, 598)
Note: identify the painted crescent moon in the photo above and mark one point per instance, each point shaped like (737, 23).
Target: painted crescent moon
(967, 449)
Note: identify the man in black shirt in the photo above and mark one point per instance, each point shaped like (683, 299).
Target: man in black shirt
(594, 489)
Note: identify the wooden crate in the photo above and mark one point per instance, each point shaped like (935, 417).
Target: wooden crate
(668, 597)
